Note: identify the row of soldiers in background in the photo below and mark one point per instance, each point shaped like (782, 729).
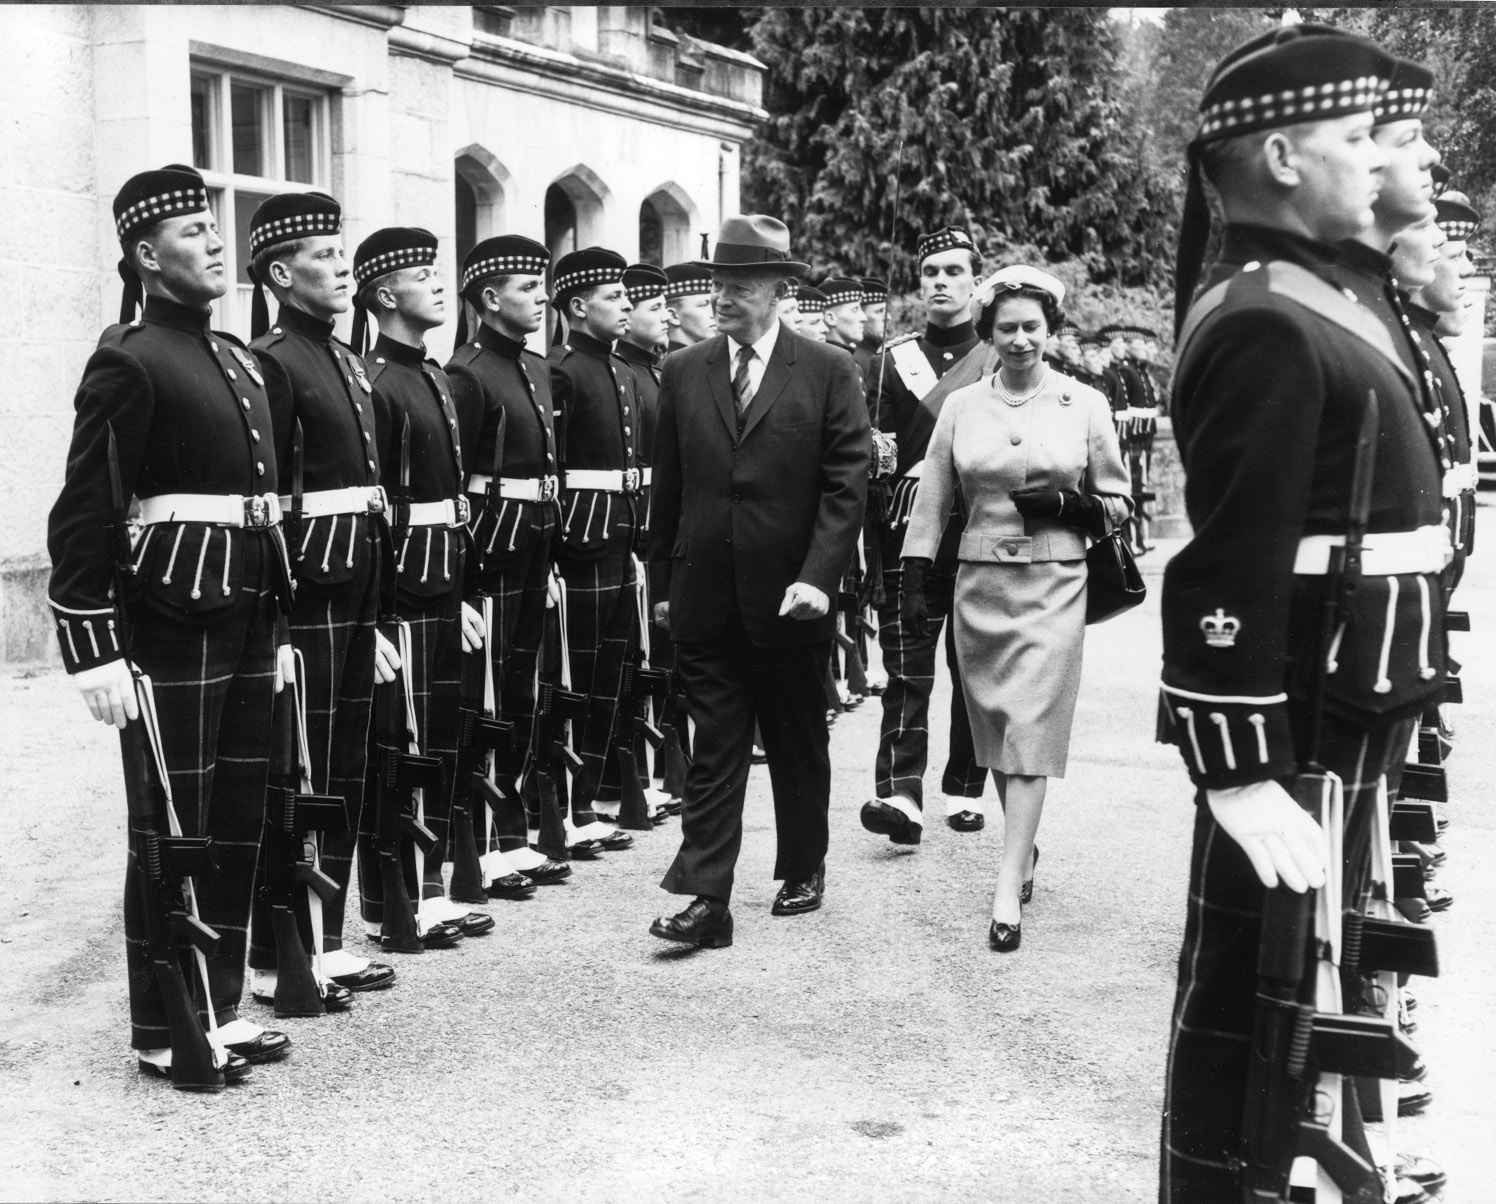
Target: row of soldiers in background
(1325, 439)
(373, 609)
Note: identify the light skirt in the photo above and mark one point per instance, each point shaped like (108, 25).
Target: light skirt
(1020, 632)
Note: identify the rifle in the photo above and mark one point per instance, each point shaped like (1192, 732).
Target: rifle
(641, 686)
(480, 734)
(167, 861)
(1302, 1042)
(293, 817)
(550, 756)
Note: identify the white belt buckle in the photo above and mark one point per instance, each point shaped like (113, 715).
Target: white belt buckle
(376, 502)
(464, 512)
(631, 480)
(548, 489)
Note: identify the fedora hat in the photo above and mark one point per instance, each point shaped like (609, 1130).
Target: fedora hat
(753, 242)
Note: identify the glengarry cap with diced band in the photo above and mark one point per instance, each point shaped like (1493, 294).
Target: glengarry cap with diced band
(1287, 76)
(1409, 92)
(385, 251)
(644, 282)
(841, 290)
(811, 299)
(587, 267)
(506, 255)
(874, 289)
(947, 238)
(687, 280)
(1456, 217)
(284, 218)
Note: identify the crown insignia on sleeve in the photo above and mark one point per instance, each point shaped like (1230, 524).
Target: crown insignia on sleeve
(1220, 629)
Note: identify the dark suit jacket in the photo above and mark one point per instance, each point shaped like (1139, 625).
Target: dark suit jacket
(735, 521)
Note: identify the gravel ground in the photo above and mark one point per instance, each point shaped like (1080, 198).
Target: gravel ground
(874, 1051)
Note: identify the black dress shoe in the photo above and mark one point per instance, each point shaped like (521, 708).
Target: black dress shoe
(887, 820)
(336, 998)
(234, 1071)
(269, 1046)
(511, 886)
(376, 976)
(475, 923)
(1412, 1098)
(548, 872)
(1005, 938)
(441, 936)
(585, 850)
(1438, 899)
(616, 841)
(966, 821)
(704, 923)
(1026, 892)
(801, 895)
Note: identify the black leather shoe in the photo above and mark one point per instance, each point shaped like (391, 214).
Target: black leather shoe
(376, 976)
(475, 923)
(269, 1046)
(887, 820)
(703, 923)
(797, 897)
(1425, 1172)
(235, 1070)
(1405, 1191)
(1438, 899)
(511, 886)
(1026, 892)
(966, 821)
(1412, 1098)
(1005, 938)
(441, 936)
(585, 850)
(336, 998)
(548, 872)
(617, 841)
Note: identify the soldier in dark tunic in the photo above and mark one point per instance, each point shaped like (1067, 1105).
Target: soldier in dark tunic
(688, 304)
(905, 389)
(514, 497)
(317, 382)
(875, 322)
(198, 613)
(399, 285)
(602, 513)
(1275, 368)
(843, 316)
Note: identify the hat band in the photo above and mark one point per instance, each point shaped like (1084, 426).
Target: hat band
(393, 261)
(737, 255)
(499, 265)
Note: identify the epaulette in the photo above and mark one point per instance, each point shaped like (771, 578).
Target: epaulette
(374, 368)
(559, 353)
(467, 353)
(271, 337)
(114, 336)
(903, 338)
(230, 338)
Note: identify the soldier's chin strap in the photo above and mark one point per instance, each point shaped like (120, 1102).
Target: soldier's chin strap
(1194, 233)
(259, 308)
(133, 296)
(151, 722)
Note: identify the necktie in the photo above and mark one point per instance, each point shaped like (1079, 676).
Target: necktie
(742, 385)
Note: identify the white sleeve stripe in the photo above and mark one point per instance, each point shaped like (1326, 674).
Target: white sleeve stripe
(68, 610)
(1245, 699)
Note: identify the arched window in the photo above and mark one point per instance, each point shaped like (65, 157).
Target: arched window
(481, 185)
(667, 226)
(560, 222)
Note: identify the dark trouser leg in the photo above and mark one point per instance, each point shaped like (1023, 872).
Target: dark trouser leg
(600, 610)
(719, 698)
(1213, 1009)
(963, 777)
(798, 746)
(436, 644)
(904, 735)
(519, 623)
(213, 690)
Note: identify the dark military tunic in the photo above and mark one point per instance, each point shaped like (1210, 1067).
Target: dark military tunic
(190, 415)
(646, 369)
(864, 353)
(1459, 501)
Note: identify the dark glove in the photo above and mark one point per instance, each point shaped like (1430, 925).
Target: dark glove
(1078, 510)
(914, 613)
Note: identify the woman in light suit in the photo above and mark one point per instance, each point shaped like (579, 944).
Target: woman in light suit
(1036, 458)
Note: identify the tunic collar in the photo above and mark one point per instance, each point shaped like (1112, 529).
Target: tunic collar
(580, 340)
(298, 321)
(499, 344)
(398, 352)
(163, 311)
(949, 336)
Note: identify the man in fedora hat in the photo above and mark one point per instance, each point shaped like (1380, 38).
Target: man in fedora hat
(749, 536)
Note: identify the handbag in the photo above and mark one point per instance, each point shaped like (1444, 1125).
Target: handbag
(1113, 582)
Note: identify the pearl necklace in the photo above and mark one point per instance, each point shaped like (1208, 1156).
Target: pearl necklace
(1013, 399)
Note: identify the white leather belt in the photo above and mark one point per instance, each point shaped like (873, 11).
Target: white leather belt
(1133, 413)
(357, 499)
(1462, 478)
(519, 489)
(606, 480)
(448, 513)
(216, 509)
(1383, 553)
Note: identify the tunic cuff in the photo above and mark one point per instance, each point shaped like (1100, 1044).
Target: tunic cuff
(87, 638)
(1228, 740)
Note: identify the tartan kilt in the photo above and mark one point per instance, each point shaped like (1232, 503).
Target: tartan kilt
(434, 672)
(1210, 1038)
(214, 688)
(334, 634)
(602, 627)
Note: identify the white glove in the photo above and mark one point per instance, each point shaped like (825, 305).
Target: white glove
(109, 691)
(552, 591)
(804, 601)
(472, 629)
(1278, 836)
(662, 615)
(386, 659)
(285, 667)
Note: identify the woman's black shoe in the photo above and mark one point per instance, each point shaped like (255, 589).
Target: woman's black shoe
(1005, 938)
(1026, 894)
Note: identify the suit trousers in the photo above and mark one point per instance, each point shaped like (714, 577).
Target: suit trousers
(729, 684)
(214, 687)
(904, 737)
(1210, 1041)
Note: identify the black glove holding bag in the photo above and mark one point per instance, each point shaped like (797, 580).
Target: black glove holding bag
(914, 612)
(1078, 510)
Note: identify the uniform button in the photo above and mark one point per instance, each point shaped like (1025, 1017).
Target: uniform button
(245, 400)
(370, 463)
(625, 411)
(1016, 440)
(737, 497)
(213, 345)
(255, 435)
(1010, 549)
(628, 430)
(359, 406)
(260, 468)
(368, 438)
(629, 451)
(232, 374)
(275, 330)
(452, 424)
